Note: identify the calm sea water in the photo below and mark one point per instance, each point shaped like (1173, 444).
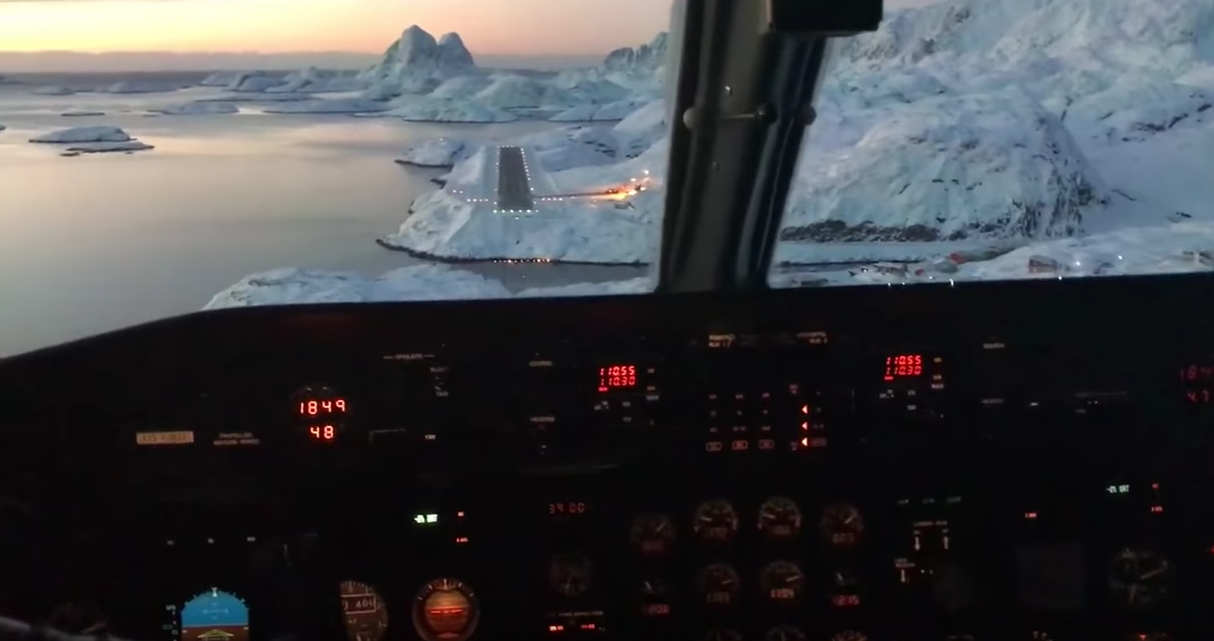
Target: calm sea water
(103, 241)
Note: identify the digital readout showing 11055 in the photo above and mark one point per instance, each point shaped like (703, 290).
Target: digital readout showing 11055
(899, 366)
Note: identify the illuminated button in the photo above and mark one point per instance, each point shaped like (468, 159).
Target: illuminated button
(740, 445)
(714, 446)
(767, 444)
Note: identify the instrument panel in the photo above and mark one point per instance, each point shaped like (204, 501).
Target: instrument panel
(989, 461)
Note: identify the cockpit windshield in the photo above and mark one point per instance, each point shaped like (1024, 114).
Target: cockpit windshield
(157, 158)
(997, 139)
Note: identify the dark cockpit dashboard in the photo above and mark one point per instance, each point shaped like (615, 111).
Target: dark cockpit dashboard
(981, 461)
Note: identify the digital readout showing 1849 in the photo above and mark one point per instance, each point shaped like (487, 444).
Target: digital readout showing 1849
(322, 413)
(614, 377)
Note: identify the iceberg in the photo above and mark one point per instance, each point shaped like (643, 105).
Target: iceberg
(253, 82)
(53, 90)
(196, 109)
(136, 86)
(301, 286)
(84, 134)
(220, 79)
(103, 147)
(316, 80)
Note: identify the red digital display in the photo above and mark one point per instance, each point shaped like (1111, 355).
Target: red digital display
(322, 407)
(617, 377)
(903, 366)
(322, 433)
(575, 508)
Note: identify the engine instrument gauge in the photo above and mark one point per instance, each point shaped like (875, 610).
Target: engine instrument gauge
(655, 598)
(570, 574)
(779, 519)
(445, 609)
(652, 534)
(849, 635)
(719, 585)
(844, 589)
(1140, 578)
(841, 525)
(715, 521)
(365, 615)
(782, 581)
(784, 633)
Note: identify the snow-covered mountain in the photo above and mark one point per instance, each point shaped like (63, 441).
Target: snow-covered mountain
(416, 63)
(995, 119)
(646, 58)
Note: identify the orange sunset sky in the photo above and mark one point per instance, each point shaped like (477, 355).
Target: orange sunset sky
(527, 27)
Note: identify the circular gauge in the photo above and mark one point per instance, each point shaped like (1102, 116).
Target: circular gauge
(841, 525)
(844, 589)
(715, 521)
(652, 534)
(1038, 635)
(445, 610)
(1140, 578)
(719, 584)
(364, 612)
(780, 519)
(849, 635)
(782, 581)
(784, 633)
(1149, 636)
(570, 574)
(655, 598)
(722, 634)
